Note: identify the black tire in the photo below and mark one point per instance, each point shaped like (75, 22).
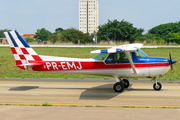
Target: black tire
(157, 87)
(118, 87)
(125, 83)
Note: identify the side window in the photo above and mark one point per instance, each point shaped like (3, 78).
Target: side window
(110, 59)
(122, 57)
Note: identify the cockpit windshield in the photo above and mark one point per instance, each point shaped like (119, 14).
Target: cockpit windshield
(140, 54)
(100, 56)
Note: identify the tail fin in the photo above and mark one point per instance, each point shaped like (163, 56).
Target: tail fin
(24, 55)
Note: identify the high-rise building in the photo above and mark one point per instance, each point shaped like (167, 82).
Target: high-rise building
(88, 16)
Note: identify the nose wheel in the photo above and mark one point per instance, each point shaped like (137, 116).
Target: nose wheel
(157, 85)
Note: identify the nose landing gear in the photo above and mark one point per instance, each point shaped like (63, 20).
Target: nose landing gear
(157, 85)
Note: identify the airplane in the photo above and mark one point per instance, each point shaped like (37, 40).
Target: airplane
(121, 62)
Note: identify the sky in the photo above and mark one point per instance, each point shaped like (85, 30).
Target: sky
(29, 15)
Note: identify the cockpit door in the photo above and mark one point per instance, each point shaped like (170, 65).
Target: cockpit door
(117, 58)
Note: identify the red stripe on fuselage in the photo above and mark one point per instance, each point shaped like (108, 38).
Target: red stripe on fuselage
(77, 65)
(159, 64)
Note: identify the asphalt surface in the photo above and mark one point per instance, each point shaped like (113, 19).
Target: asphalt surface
(86, 113)
(85, 80)
(87, 93)
(97, 100)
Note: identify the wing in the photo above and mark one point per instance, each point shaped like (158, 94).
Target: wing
(114, 50)
(120, 48)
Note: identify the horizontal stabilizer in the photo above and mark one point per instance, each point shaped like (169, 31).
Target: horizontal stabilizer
(30, 64)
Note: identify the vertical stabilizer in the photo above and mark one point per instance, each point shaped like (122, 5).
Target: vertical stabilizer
(23, 53)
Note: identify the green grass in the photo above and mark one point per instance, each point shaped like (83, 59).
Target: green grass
(8, 71)
(46, 104)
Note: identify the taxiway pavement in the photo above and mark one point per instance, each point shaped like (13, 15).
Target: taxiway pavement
(86, 113)
(87, 93)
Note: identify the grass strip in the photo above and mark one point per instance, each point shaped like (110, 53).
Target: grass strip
(84, 105)
(7, 62)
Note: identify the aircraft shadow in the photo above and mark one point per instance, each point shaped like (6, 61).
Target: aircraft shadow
(132, 89)
(102, 92)
(105, 92)
(23, 88)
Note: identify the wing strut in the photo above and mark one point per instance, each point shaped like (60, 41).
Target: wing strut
(131, 62)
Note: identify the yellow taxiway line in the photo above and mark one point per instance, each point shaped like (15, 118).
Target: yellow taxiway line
(83, 105)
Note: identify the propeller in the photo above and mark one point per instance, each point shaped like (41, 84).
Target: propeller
(170, 62)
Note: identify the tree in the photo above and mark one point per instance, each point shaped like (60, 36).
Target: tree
(55, 37)
(158, 40)
(2, 32)
(141, 38)
(117, 31)
(174, 37)
(42, 34)
(29, 40)
(59, 29)
(74, 35)
(149, 35)
(163, 29)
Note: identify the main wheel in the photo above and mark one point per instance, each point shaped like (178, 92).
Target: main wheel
(118, 87)
(157, 87)
(125, 83)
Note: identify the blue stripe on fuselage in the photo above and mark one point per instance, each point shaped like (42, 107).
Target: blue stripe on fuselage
(152, 60)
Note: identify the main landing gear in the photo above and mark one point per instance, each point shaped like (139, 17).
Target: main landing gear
(157, 85)
(119, 86)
